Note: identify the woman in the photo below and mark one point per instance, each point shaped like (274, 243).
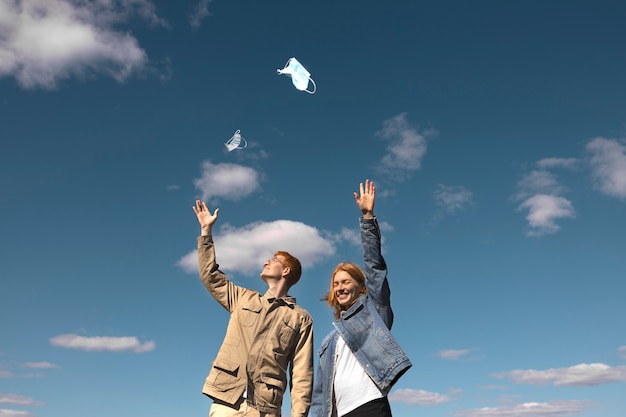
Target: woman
(359, 361)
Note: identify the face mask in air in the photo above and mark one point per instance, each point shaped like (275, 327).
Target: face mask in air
(299, 75)
(236, 142)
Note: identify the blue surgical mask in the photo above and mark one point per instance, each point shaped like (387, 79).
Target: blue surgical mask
(300, 77)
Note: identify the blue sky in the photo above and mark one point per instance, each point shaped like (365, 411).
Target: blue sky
(495, 133)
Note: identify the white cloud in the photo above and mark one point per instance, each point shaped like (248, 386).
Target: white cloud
(17, 399)
(46, 41)
(226, 181)
(622, 351)
(452, 199)
(420, 397)
(199, 13)
(41, 365)
(384, 227)
(353, 236)
(538, 182)
(6, 374)
(452, 354)
(567, 163)
(245, 249)
(102, 343)
(542, 197)
(543, 211)
(578, 375)
(14, 413)
(608, 166)
(530, 409)
(406, 149)
(348, 235)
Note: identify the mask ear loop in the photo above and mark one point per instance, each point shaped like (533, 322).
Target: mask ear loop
(283, 69)
(314, 86)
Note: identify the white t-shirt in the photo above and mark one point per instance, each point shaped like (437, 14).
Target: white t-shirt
(353, 387)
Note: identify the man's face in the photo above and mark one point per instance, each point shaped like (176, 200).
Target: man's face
(273, 268)
(346, 289)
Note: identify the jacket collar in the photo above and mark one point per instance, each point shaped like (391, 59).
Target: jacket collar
(354, 308)
(288, 300)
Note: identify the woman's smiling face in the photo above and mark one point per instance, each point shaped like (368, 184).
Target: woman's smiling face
(346, 289)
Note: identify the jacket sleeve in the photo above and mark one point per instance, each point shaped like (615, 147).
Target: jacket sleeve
(318, 393)
(301, 378)
(376, 269)
(322, 401)
(225, 292)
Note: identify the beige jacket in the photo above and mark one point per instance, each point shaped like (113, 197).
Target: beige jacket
(266, 338)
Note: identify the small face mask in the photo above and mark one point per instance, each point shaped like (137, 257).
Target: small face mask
(299, 75)
(236, 142)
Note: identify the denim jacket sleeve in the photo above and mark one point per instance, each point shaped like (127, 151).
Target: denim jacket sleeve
(376, 269)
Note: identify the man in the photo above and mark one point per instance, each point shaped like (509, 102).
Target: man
(267, 336)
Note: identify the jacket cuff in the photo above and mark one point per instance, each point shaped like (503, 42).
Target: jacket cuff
(368, 222)
(203, 240)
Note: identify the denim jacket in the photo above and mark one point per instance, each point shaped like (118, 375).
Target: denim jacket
(365, 327)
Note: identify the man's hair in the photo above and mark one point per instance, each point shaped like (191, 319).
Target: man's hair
(295, 269)
(356, 273)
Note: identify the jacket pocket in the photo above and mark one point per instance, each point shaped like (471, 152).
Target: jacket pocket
(224, 374)
(248, 315)
(325, 344)
(288, 332)
(273, 390)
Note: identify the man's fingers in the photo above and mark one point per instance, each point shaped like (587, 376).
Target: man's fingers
(200, 206)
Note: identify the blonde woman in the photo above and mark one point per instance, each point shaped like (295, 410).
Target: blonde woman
(359, 361)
